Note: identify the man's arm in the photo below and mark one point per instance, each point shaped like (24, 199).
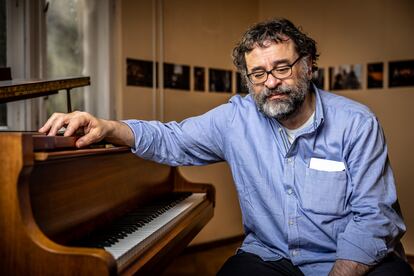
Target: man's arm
(375, 227)
(194, 141)
(94, 129)
(348, 268)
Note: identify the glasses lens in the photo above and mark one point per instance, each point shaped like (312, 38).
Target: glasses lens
(282, 72)
(258, 77)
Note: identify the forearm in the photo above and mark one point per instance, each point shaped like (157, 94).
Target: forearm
(175, 144)
(119, 133)
(348, 268)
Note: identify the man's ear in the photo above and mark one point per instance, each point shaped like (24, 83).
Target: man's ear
(309, 63)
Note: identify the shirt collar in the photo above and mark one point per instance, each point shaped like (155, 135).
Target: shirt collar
(319, 111)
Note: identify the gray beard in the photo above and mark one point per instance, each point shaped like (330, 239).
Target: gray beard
(282, 109)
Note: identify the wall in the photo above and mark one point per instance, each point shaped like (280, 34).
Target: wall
(202, 33)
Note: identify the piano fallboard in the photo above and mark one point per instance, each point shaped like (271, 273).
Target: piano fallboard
(49, 200)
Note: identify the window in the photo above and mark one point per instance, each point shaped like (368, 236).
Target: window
(44, 39)
(64, 50)
(79, 35)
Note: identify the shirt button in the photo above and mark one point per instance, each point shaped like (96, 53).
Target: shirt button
(295, 252)
(291, 222)
(289, 191)
(289, 160)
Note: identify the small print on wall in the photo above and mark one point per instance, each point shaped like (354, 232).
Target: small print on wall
(401, 73)
(220, 80)
(199, 78)
(375, 75)
(176, 76)
(139, 72)
(318, 78)
(345, 77)
(240, 85)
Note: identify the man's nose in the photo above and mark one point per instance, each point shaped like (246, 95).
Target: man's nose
(272, 82)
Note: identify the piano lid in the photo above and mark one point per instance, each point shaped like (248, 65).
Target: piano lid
(13, 90)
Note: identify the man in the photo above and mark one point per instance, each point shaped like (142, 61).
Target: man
(311, 169)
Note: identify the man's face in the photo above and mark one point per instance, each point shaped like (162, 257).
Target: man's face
(276, 98)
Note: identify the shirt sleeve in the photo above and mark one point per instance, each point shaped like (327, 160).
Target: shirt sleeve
(194, 141)
(376, 226)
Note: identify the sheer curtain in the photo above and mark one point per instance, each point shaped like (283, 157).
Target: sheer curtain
(25, 55)
(98, 47)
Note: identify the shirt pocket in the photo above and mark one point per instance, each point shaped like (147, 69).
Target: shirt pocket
(324, 192)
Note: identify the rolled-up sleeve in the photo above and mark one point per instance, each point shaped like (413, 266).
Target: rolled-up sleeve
(376, 225)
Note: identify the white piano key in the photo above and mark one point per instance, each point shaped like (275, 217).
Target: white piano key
(138, 240)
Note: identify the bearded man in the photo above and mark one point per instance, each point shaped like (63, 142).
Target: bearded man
(316, 189)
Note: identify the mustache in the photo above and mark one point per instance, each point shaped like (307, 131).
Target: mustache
(276, 91)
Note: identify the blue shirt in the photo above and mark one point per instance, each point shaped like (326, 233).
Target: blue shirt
(310, 216)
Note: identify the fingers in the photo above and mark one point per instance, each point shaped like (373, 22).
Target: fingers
(93, 128)
(90, 137)
(73, 121)
(45, 128)
(53, 124)
(58, 123)
(76, 122)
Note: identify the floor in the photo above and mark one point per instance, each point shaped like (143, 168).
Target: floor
(202, 262)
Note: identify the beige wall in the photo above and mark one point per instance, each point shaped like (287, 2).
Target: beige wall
(202, 33)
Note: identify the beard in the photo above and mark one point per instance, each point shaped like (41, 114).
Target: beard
(284, 108)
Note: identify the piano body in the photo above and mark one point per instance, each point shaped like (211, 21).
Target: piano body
(93, 211)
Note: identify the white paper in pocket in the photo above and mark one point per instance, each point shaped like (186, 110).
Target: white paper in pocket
(326, 165)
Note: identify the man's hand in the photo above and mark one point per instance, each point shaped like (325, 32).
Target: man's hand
(94, 129)
(348, 268)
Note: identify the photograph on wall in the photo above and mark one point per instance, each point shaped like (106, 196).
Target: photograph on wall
(199, 79)
(318, 78)
(345, 77)
(241, 87)
(375, 75)
(401, 73)
(176, 76)
(139, 72)
(220, 80)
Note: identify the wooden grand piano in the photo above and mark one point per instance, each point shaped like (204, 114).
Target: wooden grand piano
(93, 211)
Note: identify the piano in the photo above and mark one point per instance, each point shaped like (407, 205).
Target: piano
(95, 211)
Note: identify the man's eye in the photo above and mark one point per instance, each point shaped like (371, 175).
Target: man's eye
(259, 75)
(282, 70)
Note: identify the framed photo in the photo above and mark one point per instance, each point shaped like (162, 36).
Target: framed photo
(375, 75)
(176, 76)
(401, 73)
(318, 78)
(241, 87)
(220, 80)
(345, 77)
(139, 72)
(199, 79)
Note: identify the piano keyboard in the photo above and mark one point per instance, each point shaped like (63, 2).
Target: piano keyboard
(135, 232)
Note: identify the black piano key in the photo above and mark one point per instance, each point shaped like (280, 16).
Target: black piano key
(130, 223)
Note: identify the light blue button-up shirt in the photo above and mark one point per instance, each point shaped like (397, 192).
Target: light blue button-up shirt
(310, 216)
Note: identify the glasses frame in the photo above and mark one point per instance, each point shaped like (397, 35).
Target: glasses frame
(271, 72)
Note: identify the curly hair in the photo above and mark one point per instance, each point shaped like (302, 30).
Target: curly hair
(274, 30)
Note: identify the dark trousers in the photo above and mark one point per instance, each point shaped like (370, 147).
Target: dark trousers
(249, 264)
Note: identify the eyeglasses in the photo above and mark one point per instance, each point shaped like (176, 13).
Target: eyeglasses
(281, 73)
